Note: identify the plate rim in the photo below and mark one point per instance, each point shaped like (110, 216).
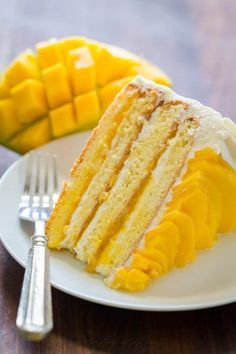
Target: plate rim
(108, 302)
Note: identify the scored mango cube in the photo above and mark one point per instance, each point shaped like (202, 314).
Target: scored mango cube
(69, 43)
(63, 120)
(9, 124)
(62, 71)
(37, 134)
(87, 109)
(49, 53)
(56, 85)
(112, 64)
(22, 68)
(108, 92)
(82, 70)
(29, 99)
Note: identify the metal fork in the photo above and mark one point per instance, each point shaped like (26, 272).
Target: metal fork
(34, 317)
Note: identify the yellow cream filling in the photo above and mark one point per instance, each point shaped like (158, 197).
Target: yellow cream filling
(103, 181)
(149, 200)
(144, 153)
(87, 166)
(202, 205)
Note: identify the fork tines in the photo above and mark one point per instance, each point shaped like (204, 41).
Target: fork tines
(41, 184)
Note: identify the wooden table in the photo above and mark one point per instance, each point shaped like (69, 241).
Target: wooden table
(195, 42)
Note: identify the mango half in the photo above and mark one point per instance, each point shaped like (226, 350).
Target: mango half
(66, 84)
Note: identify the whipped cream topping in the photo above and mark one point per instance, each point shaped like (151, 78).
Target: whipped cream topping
(214, 131)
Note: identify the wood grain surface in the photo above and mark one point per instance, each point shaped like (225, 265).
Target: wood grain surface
(195, 42)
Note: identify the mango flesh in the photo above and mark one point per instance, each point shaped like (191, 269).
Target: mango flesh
(29, 138)
(184, 223)
(151, 267)
(113, 64)
(29, 100)
(57, 85)
(202, 205)
(225, 179)
(74, 71)
(108, 92)
(165, 237)
(82, 70)
(87, 117)
(22, 68)
(4, 90)
(9, 121)
(49, 53)
(56, 115)
(130, 279)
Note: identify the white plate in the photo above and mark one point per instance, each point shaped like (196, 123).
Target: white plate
(209, 281)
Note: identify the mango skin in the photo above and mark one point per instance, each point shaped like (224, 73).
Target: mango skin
(202, 205)
(72, 71)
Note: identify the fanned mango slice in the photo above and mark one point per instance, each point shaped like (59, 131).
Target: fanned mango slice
(212, 220)
(147, 265)
(207, 154)
(190, 182)
(75, 71)
(186, 250)
(196, 204)
(166, 238)
(130, 279)
(209, 187)
(205, 238)
(213, 213)
(156, 256)
(202, 204)
(225, 180)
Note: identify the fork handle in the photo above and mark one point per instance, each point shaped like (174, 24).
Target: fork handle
(34, 317)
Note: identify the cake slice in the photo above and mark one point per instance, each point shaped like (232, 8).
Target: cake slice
(154, 185)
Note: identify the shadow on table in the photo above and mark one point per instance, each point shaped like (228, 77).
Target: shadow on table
(104, 329)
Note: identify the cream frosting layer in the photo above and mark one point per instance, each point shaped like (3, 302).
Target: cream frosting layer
(214, 131)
